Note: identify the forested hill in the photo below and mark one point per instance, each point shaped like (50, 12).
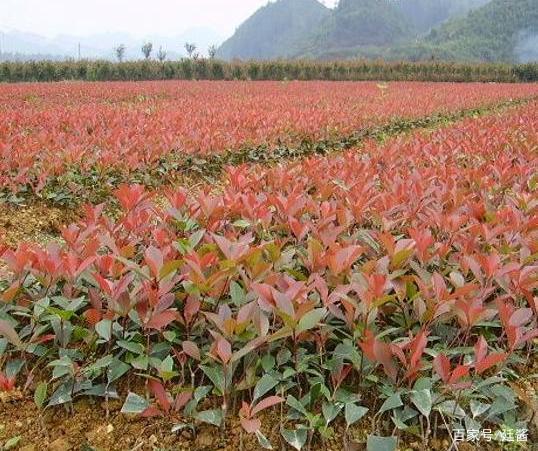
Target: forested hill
(497, 31)
(274, 30)
(354, 24)
(424, 15)
(488, 30)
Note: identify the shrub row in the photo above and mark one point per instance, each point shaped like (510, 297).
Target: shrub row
(357, 70)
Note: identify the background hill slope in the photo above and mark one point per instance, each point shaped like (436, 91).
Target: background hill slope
(480, 30)
(489, 33)
(274, 30)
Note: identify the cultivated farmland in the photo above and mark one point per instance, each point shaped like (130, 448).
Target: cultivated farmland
(323, 265)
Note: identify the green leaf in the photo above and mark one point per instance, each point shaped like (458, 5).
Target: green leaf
(422, 399)
(311, 319)
(103, 391)
(132, 346)
(103, 362)
(263, 441)
(40, 394)
(398, 422)
(268, 362)
(284, 332)
(400, 257)
(116, 370)
(451, 409)
(354, 413)
(376, 443)
(213, 416)
(134, 404)
(266, 383)
(166, 369)
(196, 237)
(201, 392)
(141, 362)
(169, 267)
(242, 223)
(294, 403)
(62, 367)
(237, 294)
(330, 411)
(423, 383)
(392, 402)
(13, 367)
(104, 329)
(12, 442)
(215, 375)
(478, 408)
(61, 396)
(296, 438)
(66, 315)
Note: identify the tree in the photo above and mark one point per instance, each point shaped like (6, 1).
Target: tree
(161, 54)
(147, 48)
(212, 51)
(120, 52)
(190, 48)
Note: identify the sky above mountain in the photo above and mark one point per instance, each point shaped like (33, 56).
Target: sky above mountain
(136, 17)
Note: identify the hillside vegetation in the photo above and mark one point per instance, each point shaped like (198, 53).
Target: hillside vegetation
(489, 33)
(274, 30)
(356, 23)
(470, 30)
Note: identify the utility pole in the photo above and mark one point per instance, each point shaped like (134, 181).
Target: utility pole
(1, 42)
(79, 51)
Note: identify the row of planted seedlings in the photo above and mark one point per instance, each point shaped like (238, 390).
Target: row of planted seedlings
(396, 285)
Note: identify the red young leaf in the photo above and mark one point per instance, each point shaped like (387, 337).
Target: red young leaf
(151, 411)
(161, 320)
(182, 399)
(489, 361)
(251, 425)
(160, 394)
(459, 372)
(520, 317)
(224, 349)
(480, 349)
(441, 364)
(191, 349)
(266, 403)
(155, 260)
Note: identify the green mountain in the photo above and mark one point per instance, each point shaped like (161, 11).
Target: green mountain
(355, 25)
(274, 30)
(372, 28)
(490, 33)
(473, 30)
(427, 14)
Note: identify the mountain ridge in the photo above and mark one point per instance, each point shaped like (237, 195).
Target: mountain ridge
(274, 30)
(467, 30)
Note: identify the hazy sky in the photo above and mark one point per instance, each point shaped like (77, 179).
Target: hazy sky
(137, 17)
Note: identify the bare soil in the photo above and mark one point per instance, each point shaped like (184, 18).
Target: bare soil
(38, 223)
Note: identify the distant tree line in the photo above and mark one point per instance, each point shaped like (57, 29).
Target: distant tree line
(197, 67)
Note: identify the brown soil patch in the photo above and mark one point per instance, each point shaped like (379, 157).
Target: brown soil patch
(87, 428)
(37, 223)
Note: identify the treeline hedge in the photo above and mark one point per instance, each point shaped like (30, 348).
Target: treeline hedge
(267, 70)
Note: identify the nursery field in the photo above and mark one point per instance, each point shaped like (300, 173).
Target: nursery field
(278, 265)
(61, 141)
